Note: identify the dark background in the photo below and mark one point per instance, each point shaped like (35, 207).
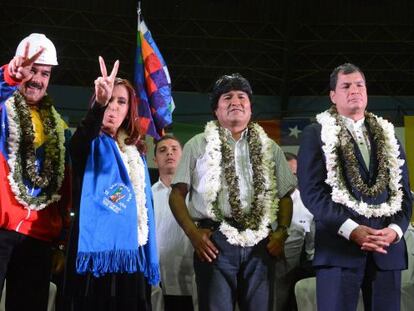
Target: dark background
(285, 48)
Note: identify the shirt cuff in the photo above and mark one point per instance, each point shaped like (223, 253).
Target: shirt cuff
(397, 229)
(9, 79)
(347, 227)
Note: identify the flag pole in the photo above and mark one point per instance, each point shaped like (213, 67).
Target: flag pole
(139, 12)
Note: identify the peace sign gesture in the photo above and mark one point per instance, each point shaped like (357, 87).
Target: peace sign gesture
(20, 66)
(105, 84)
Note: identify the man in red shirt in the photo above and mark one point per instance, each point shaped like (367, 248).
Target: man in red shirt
(35, 192)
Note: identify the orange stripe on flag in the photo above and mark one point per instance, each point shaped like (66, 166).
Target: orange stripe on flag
(145, 47)
(151, 61)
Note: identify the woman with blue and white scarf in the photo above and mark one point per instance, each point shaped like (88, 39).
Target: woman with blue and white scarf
(112, 256)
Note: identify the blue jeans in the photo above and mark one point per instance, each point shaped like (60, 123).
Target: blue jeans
(242, 274)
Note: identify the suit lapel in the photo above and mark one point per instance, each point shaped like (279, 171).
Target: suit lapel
(373, 159)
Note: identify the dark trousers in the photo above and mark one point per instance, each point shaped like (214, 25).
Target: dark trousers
(111, 292)
(338, 288)
(174, 303)
(25, 262)
(242, 274)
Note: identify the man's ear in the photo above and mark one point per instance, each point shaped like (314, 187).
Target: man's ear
(155, 161)
(332, 96)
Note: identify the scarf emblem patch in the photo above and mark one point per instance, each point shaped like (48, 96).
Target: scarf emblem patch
(117, 197)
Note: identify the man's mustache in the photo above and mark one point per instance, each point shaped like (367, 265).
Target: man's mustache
(34, 84)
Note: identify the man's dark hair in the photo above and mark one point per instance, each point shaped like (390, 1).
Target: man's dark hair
(165, 137)
(227, 83)
(290, 156)
(345, 69)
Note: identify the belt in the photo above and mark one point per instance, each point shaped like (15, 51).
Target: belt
(213, 225)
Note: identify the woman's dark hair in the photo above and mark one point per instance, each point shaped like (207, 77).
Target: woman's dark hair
(131, 121)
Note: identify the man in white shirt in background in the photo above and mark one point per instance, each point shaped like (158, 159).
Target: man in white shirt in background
(301, 217)
(174, 248)
(299, 248)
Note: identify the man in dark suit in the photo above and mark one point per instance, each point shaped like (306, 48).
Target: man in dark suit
(353, 178)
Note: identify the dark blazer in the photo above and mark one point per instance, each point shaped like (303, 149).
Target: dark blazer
(331, 249)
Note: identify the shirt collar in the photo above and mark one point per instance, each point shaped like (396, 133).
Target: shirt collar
(242, 136)
(353, 125)
(161, 185)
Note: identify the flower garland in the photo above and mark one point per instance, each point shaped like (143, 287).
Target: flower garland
(264, 206)
(333, 138)
(136, 172)
(22, 156)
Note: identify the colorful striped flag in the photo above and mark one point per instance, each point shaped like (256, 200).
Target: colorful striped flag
(153, 85)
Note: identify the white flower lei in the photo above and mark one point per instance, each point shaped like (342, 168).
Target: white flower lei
(340, 193)
(136, 173)
(13, 141)
(247, 237)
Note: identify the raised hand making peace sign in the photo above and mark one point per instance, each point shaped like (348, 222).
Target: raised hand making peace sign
(104, 85)
(20, 66)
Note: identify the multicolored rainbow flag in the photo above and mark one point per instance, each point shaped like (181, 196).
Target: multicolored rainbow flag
(153, 85)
